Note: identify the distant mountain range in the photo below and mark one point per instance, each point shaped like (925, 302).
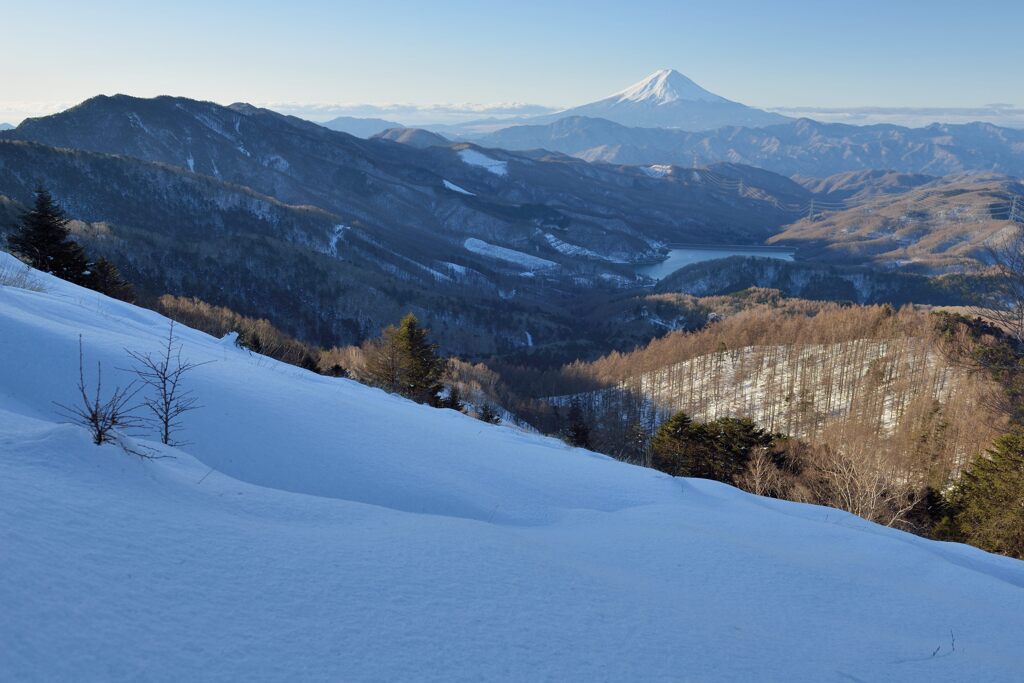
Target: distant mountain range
(361, 128)
(801, 147)
(416, 137)
(668, 99)
(6, 126)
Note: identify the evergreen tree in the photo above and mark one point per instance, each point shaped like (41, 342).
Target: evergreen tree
(488, 414)
(421, 366)
(404, 361)
(988, 502)
(711, 450)
(453, 401)
(43, 239)
(577, 432)
(105, 278)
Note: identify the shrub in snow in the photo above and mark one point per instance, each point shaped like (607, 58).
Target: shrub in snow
(163, 373)
(20, 277)
(103, 417)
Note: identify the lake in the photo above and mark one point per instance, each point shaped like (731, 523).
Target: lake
(684, 256)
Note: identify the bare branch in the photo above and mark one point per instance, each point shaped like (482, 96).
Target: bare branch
(102, 417)
(163, 374)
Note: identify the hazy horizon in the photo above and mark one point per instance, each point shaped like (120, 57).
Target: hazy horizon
(456, 61)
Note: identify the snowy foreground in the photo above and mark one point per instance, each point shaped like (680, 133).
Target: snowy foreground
(320, 530)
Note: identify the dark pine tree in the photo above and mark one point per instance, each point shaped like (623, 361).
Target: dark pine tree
(988, 502)
(488, 414)
(43, 239)
(105, 278)
(453, 400)
(577, 432)
(719, 449)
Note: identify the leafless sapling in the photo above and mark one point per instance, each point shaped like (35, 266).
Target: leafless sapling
(1003, 301)
(103, 417)
(163, 373)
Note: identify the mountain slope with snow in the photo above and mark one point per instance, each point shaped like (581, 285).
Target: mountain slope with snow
(317, 529)
(668, 99)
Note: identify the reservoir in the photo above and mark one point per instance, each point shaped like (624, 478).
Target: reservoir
(685, 255)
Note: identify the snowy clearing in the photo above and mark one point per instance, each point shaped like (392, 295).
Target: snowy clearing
(657, 170)
(478, 246)
(319, 530)
(455, 188)
(475, 158)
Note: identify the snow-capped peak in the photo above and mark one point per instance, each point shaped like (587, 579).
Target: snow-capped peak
(665, 86)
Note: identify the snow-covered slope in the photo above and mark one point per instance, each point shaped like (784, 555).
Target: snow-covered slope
(320, 530)
(665, 86)
(668, 99)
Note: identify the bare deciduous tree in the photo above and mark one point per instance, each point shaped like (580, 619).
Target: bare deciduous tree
(163, 374)
(103, 417)
(1003, 302)
(762, 476)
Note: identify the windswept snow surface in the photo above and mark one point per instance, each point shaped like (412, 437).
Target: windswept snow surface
(455, 188)
(319, 530)
(475, 158)
(478, 246)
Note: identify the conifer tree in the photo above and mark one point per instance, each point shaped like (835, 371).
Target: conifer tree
(453, 400)
(988, 502)
(43, 239)
(577, 432)
(421, 366)
(719, 449)
(404, 361)
(488, 414)
(105, 278)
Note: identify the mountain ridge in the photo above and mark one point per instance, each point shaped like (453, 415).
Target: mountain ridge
(802, 147)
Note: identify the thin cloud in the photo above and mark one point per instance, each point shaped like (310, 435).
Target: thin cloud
(1001, 114)
(410, 114)
(14, 112)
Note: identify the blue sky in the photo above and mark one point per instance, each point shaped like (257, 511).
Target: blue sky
(779, 53)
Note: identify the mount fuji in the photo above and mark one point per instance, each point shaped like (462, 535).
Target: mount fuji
(668, 99)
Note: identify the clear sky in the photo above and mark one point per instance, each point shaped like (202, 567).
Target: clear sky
(769, 53)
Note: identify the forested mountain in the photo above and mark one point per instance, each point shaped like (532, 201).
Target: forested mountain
(820, 281)
(928, 226)
(802, 147)
(360, 127)
(333, 236)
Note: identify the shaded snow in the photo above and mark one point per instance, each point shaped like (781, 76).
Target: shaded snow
(478, 246)
(339, 231)
(475, 158)
(320, 530)
(455, 188)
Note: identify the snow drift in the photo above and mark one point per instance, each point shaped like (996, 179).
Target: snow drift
(317, 529)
